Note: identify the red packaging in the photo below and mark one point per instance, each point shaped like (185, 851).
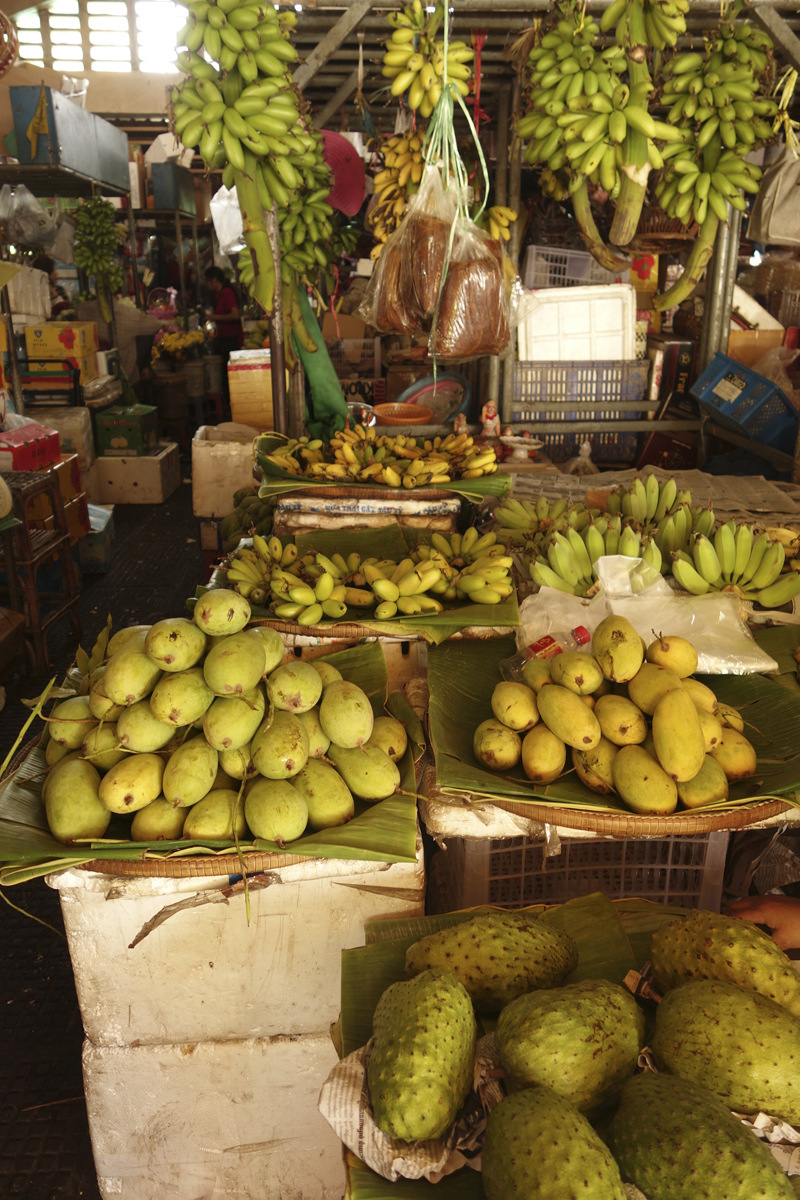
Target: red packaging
(28, 448)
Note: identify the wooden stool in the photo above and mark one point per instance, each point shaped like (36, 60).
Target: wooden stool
(214, 401)
(25, 549)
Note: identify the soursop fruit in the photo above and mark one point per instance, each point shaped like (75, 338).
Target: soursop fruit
(676, 1141)
(705, 945)
(420, 1068)
(539, 1147)
(582, 1040)
(497, 957)
(742, 1046)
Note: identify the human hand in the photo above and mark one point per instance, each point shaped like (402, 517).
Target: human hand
(781, 914)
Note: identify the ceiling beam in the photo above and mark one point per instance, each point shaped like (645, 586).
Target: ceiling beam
(332, 40)
(337, 99)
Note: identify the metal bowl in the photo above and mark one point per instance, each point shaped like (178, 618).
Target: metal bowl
(361, 414)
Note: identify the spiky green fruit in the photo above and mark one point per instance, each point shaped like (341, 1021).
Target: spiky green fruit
(742, 1046)
(705, 945)
(676, 1141)
(582, 1040)
(539, 1147)
(420, 1068)
(497, 957)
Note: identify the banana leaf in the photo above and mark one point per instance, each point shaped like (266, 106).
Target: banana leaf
(605, 952)
(640, 919)
(780, 642)
(383, 832)
(462, 676)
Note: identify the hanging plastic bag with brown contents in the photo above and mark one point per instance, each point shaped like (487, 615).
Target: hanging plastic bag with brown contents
(427, 240)
(472, 317)
(387, 303)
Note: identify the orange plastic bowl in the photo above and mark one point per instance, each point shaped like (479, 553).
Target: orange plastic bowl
(403, 414)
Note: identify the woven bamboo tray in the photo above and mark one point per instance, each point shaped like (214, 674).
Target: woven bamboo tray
(619, 825)
(363, 492)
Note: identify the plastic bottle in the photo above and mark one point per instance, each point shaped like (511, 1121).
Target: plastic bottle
(546, 647)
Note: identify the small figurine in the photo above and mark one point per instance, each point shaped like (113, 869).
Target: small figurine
(508, 431)
(490, 420)
(460, 424)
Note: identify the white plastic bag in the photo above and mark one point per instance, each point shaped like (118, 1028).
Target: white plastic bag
(631, 588)
(23, 220)
(227, 218)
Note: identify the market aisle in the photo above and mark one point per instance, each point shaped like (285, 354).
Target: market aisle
(45, 1152)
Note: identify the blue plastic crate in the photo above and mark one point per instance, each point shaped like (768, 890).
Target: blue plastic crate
(746, 403)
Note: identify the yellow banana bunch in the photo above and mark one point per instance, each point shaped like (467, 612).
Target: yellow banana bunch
(249, 569)
(496, 221)
(395, 183)
(416, 63)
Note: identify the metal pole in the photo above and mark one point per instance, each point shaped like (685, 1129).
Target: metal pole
(297, 402)
(731, 271)
(13, 363)
(196, 261)
(500, 197)
(181, 274)
(277, 357)
(514, 190)
(714, 289)
(137, 295)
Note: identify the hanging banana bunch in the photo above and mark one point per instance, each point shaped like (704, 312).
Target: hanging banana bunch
(722, 98)
(497, 222)
(415, 60)
(395, 184)
(97, 240)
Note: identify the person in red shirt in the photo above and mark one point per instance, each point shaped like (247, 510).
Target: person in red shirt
(228, 319)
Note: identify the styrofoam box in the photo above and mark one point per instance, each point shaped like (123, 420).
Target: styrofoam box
(146, 479)
(580, 324)
(222, 462)
(213, 1120)
(205, 974)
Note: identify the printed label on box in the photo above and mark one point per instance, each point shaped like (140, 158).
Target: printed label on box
(729, 388)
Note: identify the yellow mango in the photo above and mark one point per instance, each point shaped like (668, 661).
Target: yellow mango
(675, 653)
(709, 785)
(735, 755)
(568, 717)
(595, 767)
(620, 720)
(543, 755)
(618, 649)
(678, 736)
(642, 783)
(649, 684)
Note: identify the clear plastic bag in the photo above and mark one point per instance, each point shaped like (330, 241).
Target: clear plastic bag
(715, 623)
(227, 217)
(23, 221)
(427, 237)
(472, 315)
(773, 366)
(387, 304)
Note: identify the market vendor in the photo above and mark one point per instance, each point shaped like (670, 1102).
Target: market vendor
(59, 300)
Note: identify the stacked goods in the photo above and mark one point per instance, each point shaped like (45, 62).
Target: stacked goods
(315, 587)
(97, 239)
(569, 1054)
(591, 119)
(658, 523)
(194, 729)
(251, 515)
(239, 107)
(365, 456)
(598, 705)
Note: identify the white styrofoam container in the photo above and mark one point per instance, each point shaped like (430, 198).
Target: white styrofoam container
(222, 462)
(213, 1120)
(204, 974)
(75, 433)
(580, 324)
(296, 514)
(145, 479)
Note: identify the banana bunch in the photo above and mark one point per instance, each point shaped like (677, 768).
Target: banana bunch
(395, 184)
(737, 560)
(664, 21)
(250, 571)
(97, 239)
(554, 184)
(416, 63)
(392, 461)
(566, 558)
(519, 516)
(473, 567)
(251, 515)
(496, 221)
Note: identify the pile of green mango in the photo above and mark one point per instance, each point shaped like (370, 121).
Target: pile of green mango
(638, 725)
(195, 728)
(251, 515)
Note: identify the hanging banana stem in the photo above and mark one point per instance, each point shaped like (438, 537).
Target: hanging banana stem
(635, 167)
(255, 234)
(591, 234)
(696, 264)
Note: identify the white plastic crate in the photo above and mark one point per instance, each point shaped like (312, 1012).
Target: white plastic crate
(553, 267)
(790, 309)
(580, 324)
(513, 872)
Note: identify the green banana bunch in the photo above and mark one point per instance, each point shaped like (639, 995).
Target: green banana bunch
(97, 240)
(416, 62)
(251, 515)
(736, 560)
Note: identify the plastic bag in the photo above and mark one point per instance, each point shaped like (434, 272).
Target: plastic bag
(427, 238)
(227, 217)
(472, 316)
(773, 366)
(714, 624)
(23, 221)
(62, 249)
(582, 464)
(387, 304)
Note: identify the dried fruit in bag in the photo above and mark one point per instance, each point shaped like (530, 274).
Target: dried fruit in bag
(472, 319)
(386, 302)
(427, 240)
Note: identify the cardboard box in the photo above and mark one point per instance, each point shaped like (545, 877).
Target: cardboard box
(77, 515)
(12, 637)
(349, 326)
(646, 312)
(747, 346)
(126, 431)
(86, 365)
(210, 536)
(96, 550)
(89, 484)
(146, 480)
(644, 273)
(53, 339)
(250, 390)
(222, 462)
(75, 433)
(28, 448)
(68, 477)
